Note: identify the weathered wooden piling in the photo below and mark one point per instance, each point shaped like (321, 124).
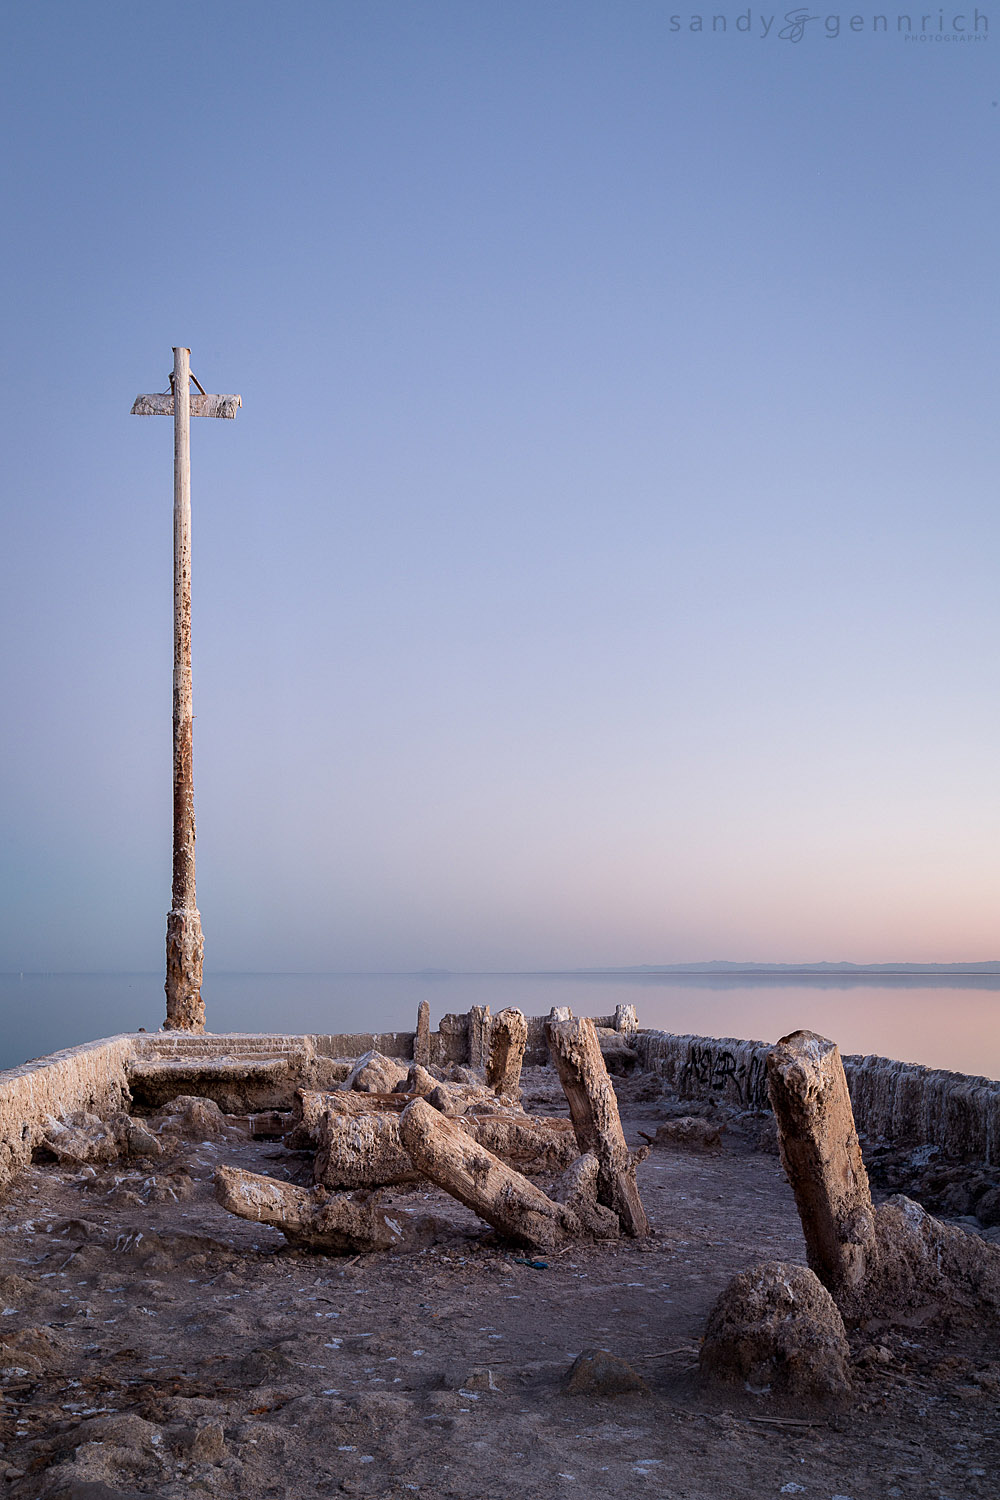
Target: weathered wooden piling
(821, 1155)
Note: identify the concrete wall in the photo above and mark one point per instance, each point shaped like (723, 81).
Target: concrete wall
(897, 1102)
(92, 1077)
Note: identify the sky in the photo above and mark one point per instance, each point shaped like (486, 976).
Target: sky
(602, 568)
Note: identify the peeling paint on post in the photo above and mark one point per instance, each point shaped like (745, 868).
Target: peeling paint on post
(185, 944)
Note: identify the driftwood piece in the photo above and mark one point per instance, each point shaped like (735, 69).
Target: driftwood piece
(822, 1159)
(422, 1035)
(508, 1038)
(338, 1223)
(593, 1107)
(519, 1210)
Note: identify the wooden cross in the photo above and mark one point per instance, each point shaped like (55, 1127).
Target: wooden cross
(185, 944)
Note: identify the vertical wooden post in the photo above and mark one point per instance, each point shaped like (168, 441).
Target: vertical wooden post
(185, 945)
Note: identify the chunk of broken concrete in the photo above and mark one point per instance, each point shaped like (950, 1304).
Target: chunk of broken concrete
(777, 1328)
(596, 1372)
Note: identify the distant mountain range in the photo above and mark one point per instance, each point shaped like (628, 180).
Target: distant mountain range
(724, 966)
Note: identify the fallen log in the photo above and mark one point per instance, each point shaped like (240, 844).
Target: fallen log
(507, 1040)
(311, 1105)
(361, 1150)
(593, 1108)
(338, 1223)
(534, 1144)
(443, 1151)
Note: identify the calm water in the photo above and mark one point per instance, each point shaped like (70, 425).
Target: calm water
(917, 1018)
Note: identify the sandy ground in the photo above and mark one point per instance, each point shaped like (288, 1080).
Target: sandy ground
(154, 1345)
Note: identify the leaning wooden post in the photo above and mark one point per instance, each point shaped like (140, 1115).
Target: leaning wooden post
(821, 1155)
(185, 944)
(593, 1109)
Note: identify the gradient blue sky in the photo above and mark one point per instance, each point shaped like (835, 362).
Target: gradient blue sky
(603, 567)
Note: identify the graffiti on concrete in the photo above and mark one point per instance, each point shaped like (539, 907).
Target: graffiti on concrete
(718, 1070)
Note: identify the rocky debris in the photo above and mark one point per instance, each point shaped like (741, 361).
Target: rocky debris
(507, 1040)
(919, 1261)
(336, 1223)
(777, 1328)
(954, 1189)
(690, 1133)
(193, 1118)
(577, 1187)
(374, 1073)
(596, 1372)
(85, 1138)
(361, 1150)
(596, 1121)
(419, 1080)
(443, 1152)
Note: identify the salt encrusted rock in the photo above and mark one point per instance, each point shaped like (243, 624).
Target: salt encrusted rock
(595, 1372)
(776, 1327)
(689, 1133)
(443, 1151)
(80, 1138)
(577, 1188)
(373, 1073)
(419, 1081)
(920, 1261)
(195, 1118)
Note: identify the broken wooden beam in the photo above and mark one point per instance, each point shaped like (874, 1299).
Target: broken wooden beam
(593, 1108)
(336, 1223)
(442, 1151)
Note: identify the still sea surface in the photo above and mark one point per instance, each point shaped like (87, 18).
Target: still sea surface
(945, 1021)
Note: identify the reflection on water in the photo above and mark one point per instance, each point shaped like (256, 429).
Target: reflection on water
(945, 1022)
